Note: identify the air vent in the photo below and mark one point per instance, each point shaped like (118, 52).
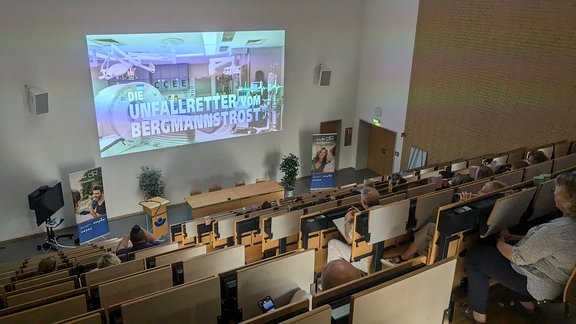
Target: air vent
(228, 36)
(172, 41)
(106, 41)
(223, 48)
(239, 50)
(255, 41)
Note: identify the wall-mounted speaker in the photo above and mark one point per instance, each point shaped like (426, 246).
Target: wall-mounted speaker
(325, 77)
(37, 101)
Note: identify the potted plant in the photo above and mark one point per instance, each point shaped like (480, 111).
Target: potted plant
(289, 166)
(151, 182)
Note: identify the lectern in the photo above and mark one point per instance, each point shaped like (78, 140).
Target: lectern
(155, 208)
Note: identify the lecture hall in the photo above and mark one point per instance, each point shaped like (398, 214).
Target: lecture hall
(434, 142)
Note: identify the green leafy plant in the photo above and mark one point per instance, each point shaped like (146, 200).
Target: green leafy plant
(151, 182)
(289, 166)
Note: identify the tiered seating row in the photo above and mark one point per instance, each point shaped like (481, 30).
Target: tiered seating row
(165, 276)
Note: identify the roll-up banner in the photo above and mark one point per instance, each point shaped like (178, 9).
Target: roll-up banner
(323, 161)
(88, 196)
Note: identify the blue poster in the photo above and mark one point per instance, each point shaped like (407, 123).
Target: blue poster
(89, 204)
(323, 161)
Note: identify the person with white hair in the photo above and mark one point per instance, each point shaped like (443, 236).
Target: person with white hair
(339, 250)
(107, 259)
(535, 266)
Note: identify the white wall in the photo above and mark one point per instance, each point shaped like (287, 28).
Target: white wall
(388, 35)
(42, 44)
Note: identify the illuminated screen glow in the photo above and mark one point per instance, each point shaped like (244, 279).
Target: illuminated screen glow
(162, 90)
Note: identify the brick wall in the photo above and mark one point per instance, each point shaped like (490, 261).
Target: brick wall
(490, 76)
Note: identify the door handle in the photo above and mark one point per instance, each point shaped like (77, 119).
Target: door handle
(383, 151)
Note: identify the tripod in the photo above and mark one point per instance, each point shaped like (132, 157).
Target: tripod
(51, 243)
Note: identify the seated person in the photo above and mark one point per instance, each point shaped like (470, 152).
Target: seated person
(501, 168)
(396, 179)
(47, 265)
(445, 174)
(483, 172)
(535, 157)
(486, 188)
(459, 179)
(107, 259)
(369, 183)
(496, 166)
(336, 273)
(424, 236)
(140, 239)
(265, 205)
(339, 250)
(535, 266)
(520, 164)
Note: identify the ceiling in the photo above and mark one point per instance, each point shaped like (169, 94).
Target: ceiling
(179, 47)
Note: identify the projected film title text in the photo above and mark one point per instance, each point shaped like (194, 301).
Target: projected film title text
(169, 116)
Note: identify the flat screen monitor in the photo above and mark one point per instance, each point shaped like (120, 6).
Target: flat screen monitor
(256, 87)
(46, 201)
(162, 90)
(459, 166)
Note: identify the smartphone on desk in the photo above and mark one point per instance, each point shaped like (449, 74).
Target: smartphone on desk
(266, 304)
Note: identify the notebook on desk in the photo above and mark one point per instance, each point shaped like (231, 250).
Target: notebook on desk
(340, 225)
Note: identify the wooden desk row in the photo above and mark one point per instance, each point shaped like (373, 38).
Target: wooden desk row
(84, 259)
(22, 291)
(26, 268)
(461, 224)
(117, 283)
(271, 231)
(414, 213)
(454, 220)
(210, 203)
(403, 284)
(308, 203)
(150, 274)
(279, 230)
(397, 287)
(150, 295)
(552, 151)
(253, 229)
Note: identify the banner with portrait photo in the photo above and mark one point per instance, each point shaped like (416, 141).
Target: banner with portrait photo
(323, 161)
(89, 204)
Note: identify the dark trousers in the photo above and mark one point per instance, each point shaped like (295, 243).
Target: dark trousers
(485, 262)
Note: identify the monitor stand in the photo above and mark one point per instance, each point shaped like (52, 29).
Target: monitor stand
(51, 243)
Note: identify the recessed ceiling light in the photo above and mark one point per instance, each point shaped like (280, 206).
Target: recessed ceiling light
(172, 41)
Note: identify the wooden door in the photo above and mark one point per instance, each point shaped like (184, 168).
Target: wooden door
(381, 150)
(329, 127)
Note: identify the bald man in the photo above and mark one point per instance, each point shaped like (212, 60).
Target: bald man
(339, 250)
(338, 272)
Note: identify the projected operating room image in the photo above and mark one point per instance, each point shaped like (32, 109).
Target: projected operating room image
(154, 91)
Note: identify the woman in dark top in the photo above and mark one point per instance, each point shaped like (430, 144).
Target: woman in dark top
(319, 161)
